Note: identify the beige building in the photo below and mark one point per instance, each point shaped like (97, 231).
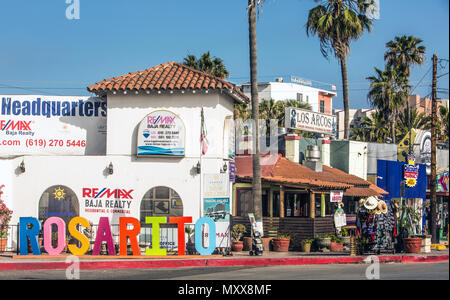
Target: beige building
(355, 118)
(423, 105)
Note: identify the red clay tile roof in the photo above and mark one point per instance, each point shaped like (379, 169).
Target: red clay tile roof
(168, 76)
(279, 169)
(361, 192)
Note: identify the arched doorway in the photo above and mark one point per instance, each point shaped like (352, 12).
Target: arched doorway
(58, 201)
(161, 201)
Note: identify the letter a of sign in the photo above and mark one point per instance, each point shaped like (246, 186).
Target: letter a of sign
(73, 10)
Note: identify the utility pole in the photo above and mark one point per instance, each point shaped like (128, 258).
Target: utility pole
(434, 234)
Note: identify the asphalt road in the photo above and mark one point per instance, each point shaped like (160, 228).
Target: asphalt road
(388, 271)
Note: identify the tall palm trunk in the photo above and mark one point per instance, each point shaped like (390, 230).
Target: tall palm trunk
(256, 184)
(393, 130)
(345, 96)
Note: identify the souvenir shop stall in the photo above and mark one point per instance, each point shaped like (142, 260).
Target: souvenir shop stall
(376, 225)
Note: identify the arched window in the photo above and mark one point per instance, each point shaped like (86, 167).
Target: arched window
(161, 201)
(58, 201)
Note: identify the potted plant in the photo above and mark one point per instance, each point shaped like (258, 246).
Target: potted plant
(281, 243)
(306, 245)
(190, 246)
(345, 238)
(411, 217)
(5, 218)
(323, 242)
(336, 244)
(236, 234)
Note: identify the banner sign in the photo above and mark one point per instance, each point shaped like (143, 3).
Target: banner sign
(232, 171)
(411, 171)
(336, 196)
(216, 205)
(310, 121)
(52, 125)
(217, 209)
(161, 133)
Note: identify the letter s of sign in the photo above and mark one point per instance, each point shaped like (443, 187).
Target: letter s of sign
(73, 10)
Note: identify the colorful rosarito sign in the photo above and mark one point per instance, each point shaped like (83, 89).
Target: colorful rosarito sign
(129, 229)
(55, 125)
(306, 120)
(161, 133)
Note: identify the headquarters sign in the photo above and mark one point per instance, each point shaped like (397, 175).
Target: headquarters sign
(306, 120)
(52, 125)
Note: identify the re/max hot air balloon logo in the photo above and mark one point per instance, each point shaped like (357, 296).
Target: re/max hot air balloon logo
(411, 171)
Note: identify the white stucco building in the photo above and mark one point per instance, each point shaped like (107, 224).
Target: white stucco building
(118, 182)
(321, 100)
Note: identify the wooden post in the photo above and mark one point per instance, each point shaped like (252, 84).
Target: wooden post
(281, 201)
(312, 205)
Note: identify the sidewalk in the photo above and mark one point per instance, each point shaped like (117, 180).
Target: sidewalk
(45, 262)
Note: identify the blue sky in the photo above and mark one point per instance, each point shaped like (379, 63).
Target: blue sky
(42, 52)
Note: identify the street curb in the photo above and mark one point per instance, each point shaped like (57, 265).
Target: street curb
(214, 262)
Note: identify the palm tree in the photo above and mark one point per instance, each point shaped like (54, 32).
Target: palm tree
(373, 129)
(241, 111)
(271, 110)
(411, 119)
(402, 53)
(337, 23)
(443, 128)
(386, 95)
(253, 6)
(207, 64)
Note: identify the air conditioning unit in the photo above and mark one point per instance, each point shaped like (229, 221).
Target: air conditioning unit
(279, 79)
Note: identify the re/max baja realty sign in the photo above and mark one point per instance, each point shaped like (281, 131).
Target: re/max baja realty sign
(129, 229)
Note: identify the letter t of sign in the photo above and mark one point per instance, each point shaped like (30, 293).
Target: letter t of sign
(180, 221)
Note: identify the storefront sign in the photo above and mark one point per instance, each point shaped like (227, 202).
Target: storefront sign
(56, 125)
(310, 121)
(161, 133)
(107, 200)
(216, 185)
(216, 205)
(129, 230)
(411, 171)
(336, 196)
(232, 171)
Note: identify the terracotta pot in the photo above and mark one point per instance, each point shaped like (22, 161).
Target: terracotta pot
(281, 245)
(237, 246)
(266, 243)
(412, 245)
(3, 243)
(336, 247)
(247, 243)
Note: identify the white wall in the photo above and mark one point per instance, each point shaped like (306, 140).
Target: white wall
(126, 111)
(358, 159)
